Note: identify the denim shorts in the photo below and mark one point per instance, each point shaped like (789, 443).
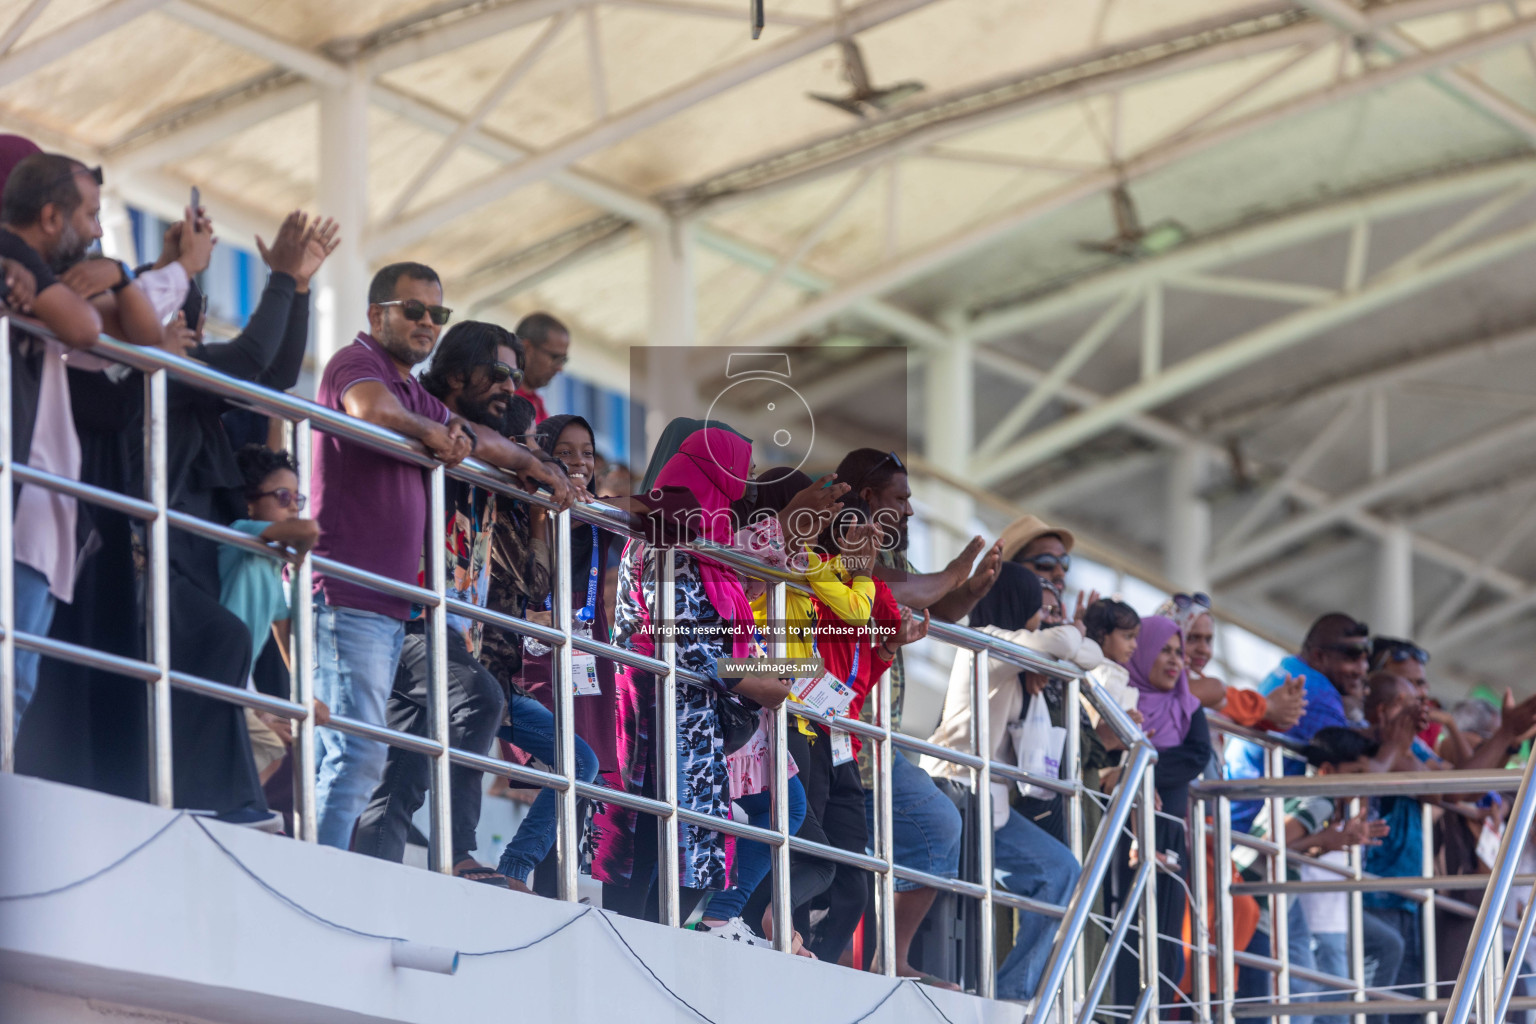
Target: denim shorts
(925, 824)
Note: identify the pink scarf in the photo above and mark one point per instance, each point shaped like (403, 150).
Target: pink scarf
(1168, 712)
(713, 465)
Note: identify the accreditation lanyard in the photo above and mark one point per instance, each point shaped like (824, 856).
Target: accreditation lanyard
(588, 611)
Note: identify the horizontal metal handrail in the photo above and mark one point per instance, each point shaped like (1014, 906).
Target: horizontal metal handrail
(1392, 784)
(1376, 883)
(1263, 737)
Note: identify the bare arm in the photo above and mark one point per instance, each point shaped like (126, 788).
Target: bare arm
(73, 320)
(371, 400)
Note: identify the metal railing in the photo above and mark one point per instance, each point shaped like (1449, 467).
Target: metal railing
(1065, 969)
(1482, 971)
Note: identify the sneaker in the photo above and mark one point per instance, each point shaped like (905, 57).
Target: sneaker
(250, 817)
(734, 930)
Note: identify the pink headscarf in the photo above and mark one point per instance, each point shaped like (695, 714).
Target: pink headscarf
(1166, 711)
(713, 465)
(13, 150)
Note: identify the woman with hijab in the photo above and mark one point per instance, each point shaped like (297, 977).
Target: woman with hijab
(711, 619)
(1173, 720)
(672, 438)
(1280, 710)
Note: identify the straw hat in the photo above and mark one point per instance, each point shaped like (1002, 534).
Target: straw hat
(1025, 529)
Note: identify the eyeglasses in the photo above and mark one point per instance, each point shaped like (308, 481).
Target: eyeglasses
(1404, 651)
(1349, 650)
(888, 457)
(285, 498)
(1049, 562)
(414, 309)
(500, 371)
(1185, 601)
(558, 360)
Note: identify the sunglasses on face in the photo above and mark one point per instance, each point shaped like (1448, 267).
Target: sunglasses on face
(500, 371)
(888, 457)
(1350, 651)
(1049, 562)
(1408, 652)
(284, 497)
(1185, 601)
(414, 309)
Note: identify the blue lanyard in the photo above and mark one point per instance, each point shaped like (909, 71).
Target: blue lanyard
(852, 675)
(588, 611)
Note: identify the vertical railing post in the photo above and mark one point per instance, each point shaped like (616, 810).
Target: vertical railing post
(1279, 920)
(981, 735)
(778, 734)
(1149, 923)
(1200, 911)
(1516, 958)
(566, 801)
(441, 840)
(7, 565)
(1226, 966)
(1357, 917)
(1427, 911)
(884, 843)
(302, 658)
(1073, 755)
(156, 484)
(663, 621)
(1490, 916)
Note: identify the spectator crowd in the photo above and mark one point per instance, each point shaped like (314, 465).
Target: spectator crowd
(1359, 702)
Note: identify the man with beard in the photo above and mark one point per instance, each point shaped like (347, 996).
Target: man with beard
(49, 209)
(372, 513)
(926, 824)
(475, 375)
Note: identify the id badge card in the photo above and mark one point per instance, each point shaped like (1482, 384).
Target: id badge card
(1488, 844)
(827, 696)
(842, 747)
(584, 675)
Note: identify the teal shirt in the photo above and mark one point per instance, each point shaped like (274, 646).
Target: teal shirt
(251, 586)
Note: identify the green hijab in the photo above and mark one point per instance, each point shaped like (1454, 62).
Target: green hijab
(672, 439)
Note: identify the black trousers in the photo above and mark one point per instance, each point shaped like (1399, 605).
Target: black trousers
(835, 798)
(475, 706)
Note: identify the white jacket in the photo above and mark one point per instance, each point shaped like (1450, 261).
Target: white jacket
(1005, 703)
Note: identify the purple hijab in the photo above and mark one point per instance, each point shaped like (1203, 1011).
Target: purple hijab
(1166, 711)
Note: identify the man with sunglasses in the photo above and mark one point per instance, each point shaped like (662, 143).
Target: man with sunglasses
(546, 350)
(1407, 660)
(372, 512)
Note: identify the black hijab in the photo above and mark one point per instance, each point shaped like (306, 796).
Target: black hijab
(1014, 599)
(776, 488)
(548, 434)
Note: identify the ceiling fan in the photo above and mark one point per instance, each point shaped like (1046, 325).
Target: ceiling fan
(1131, 239)
(865, 98)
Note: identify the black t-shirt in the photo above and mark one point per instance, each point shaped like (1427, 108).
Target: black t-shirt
(13, 246)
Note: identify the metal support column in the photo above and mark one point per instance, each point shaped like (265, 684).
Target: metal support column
(1072, 758)
(1149, 933)
(1200, 911)
(662, 622)
(778, 734)
(156, 486)
(674, 310)
(949, 433)
(1357, 918)
(885, 884)
(1394, 583)
(302, 658)
(1279, 920)
(1427, 911)
(1189, 521)
(1226, 967)
(440, 842)
(564, 686)
(341, 293)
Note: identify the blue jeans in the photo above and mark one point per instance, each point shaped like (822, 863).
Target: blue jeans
(1330, 951)
(1028, 861)
(34, 614)
(925, 824)
(533, 729)
(356, 653)
(1299, 942)
(755, 860)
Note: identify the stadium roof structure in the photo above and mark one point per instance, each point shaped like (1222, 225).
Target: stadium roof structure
(1241, 290)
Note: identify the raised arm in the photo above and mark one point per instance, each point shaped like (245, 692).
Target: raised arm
(320, 240)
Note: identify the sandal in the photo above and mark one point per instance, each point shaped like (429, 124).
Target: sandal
(481, 873)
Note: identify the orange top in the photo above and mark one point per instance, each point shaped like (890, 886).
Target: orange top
(1245, 707)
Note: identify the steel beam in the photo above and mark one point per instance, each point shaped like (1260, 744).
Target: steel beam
(415, 44)
(77, 34)
(309, 63)
(637, 119)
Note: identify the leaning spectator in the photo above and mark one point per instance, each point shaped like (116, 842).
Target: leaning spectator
(1332, 665)
(712, 619)
(1281, 709)
(547, 346)
(1029, 860)
(49, 212)
(372, 511)
(251, 585)
(1410, 661)
(473, 374)
(927, 824)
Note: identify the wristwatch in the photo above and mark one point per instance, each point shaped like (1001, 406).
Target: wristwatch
(127, 278)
